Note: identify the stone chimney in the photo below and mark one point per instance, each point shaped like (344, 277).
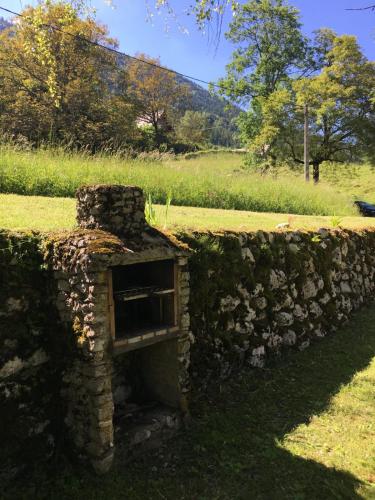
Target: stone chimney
(114, 208)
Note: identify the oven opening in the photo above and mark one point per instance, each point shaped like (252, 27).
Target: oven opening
(143, 301)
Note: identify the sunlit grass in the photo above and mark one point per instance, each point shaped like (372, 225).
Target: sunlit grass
(332, 437)
(357, 181)
(50, 214)
(213, 181)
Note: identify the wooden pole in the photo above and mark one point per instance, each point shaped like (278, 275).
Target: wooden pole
(306, 144)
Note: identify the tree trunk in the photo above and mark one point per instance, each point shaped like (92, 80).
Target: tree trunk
(316, 172)
(306, 145)
(157, 133)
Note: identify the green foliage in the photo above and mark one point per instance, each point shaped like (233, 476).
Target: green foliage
(21, 249)
(270, 47)
(193, 127)
(268, 72)
(56, 88)
(167, 206)
(150, 213)
(316, 238)
(336, 221)
(155, 92)
(340, 100)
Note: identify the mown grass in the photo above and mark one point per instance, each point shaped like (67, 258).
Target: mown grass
(213, 181)
(51, 214)
(303, 429)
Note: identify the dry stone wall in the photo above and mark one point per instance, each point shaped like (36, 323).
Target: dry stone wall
(254, 295)
(30, 356)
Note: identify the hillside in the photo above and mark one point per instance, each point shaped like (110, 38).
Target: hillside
(222, 114)
(4, 24)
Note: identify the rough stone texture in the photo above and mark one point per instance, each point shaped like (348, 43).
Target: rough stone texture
(29, 356)
(242, 298)
(117, 209)
(252, 295)
(80, 261)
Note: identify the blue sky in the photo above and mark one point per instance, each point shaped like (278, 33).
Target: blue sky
(192, 53)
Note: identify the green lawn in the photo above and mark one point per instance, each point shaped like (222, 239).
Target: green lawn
(303, 429)
(212, 181)
(51, 214)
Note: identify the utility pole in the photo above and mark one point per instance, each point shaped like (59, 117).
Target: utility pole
(306, 144)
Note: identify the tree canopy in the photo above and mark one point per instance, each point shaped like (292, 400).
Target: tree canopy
(276, 72)
(194, 127)
(270, 47)
(55, 86)
(155, 92)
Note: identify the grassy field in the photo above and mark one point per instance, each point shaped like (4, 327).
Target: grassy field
(213, 181)
(357, 181)
(51, 214)
(302, 430)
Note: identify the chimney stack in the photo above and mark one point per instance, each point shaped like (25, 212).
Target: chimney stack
(117, 209)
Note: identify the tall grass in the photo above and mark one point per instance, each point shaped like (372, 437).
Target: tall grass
(217, 181)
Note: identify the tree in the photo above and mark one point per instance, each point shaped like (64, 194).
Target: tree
(155, 92)
(193, 128)
(341, 100)
(203, 10)
(55, 86)
(271, 48)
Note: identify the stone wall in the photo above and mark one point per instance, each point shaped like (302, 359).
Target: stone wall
(253, 295)
(29, 356)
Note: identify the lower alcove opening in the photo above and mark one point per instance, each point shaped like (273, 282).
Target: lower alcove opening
(146, 397)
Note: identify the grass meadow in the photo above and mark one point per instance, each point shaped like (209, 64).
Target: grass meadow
(213, 181)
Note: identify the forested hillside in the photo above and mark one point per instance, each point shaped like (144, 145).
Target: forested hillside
(4, 23)
(181, 114)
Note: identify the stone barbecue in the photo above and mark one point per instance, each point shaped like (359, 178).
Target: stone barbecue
(123, 291)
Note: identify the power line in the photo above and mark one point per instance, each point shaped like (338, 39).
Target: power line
(117, 52)
(370, 7)
(111, 49)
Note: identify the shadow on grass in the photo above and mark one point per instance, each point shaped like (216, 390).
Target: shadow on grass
(231, 451)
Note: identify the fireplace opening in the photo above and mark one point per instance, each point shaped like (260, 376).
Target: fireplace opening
(146, 397)
(143, 303)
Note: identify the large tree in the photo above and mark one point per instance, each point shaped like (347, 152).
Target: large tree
(340, 98)
(270, 48)
(155, 93)
(276, 72)
(55, 86)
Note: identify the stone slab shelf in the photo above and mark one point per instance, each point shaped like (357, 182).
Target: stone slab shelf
(144, 339)
(141, 293)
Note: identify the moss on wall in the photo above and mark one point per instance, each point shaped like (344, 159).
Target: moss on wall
(29, 348)
(253, 295)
